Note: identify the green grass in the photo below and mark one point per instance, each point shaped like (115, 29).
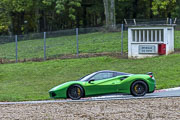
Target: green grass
(32, 80)
(88, 43)
(177, 40)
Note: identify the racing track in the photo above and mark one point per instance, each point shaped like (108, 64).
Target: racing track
(172, 92)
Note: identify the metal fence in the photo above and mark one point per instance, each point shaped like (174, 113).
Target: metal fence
(73, 43)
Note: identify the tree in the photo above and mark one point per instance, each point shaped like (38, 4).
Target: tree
(95, 13)
(163, 8)
(13, 10)
(176, 12)
(22, 16)
(65, 5)
(109, 10)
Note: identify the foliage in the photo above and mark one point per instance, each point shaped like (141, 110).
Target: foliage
(163, 7)
(176, 12)
(3, 29)
(21, 16)
(64, 5)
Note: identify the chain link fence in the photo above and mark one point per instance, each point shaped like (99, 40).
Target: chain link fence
(74, 43)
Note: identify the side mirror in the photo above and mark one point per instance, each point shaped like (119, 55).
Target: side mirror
(91, 80)
(149, 73)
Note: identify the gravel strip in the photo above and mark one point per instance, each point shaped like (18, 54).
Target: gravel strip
(133, 109)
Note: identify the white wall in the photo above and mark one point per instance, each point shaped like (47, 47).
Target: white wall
(166, 38)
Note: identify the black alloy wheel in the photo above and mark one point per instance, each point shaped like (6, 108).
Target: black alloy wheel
(75, 92)
(139, 88)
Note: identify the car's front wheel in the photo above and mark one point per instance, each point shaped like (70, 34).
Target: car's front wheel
(75, 92)
(139, 88)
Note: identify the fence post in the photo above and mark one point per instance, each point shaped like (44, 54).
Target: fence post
(170, 20)
(16, 39)
(44, 46)
(77, 42)
(122, 26)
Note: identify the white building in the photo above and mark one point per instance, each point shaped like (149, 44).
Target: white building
(152, 40)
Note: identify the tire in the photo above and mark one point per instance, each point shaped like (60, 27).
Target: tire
(139, 88)
(75, 92)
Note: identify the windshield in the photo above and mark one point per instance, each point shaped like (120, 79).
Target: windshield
(85, 78)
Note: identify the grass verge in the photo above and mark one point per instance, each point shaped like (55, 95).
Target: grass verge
(32, 80)
(97, 42)
(88, 43)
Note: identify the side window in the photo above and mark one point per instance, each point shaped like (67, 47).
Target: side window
(101, 76)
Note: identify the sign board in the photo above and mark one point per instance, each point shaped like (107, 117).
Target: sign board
(143, 49)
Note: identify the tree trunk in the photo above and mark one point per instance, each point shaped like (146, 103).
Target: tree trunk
(44, 21)
(84, 16)
(135, 3)
(10, 28)
(178, 9)
(109, 10)
(37, 18)
(150, 5)
(23, 24)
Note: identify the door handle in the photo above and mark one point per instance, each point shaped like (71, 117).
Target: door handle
(123, 78)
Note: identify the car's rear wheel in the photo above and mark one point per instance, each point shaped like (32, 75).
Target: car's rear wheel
(139, 88)
(75, 92)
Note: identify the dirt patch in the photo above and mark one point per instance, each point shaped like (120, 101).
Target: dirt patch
(69, 56)
(177, 50)
(87, 55)
(74, 56)
(136, 109)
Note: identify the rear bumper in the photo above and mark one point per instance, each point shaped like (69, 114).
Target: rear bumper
(152, 88)
(151, 91)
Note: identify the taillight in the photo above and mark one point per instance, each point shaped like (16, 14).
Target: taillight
(150, 76)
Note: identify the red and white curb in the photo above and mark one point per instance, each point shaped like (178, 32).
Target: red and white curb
(169, 89)
(120, 95)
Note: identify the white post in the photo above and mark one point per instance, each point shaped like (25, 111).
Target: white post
(125, 21)
(148, 36)
(143, 35)
(134, 21)
(129, 42)
(151, 35)
(160, 36)
(175, 20)
(135, 35)
(155, 35)
(139, 35)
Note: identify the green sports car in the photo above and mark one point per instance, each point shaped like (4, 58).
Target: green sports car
(105, 82)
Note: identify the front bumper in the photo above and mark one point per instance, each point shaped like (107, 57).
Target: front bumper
(52, 94)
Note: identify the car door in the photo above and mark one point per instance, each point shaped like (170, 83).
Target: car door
(101, 83)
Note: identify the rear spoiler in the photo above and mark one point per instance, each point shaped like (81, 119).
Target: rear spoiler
(150, 73)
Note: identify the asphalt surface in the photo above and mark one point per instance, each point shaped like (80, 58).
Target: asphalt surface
(172, 92)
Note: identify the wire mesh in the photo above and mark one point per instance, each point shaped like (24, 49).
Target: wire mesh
(63, 43)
